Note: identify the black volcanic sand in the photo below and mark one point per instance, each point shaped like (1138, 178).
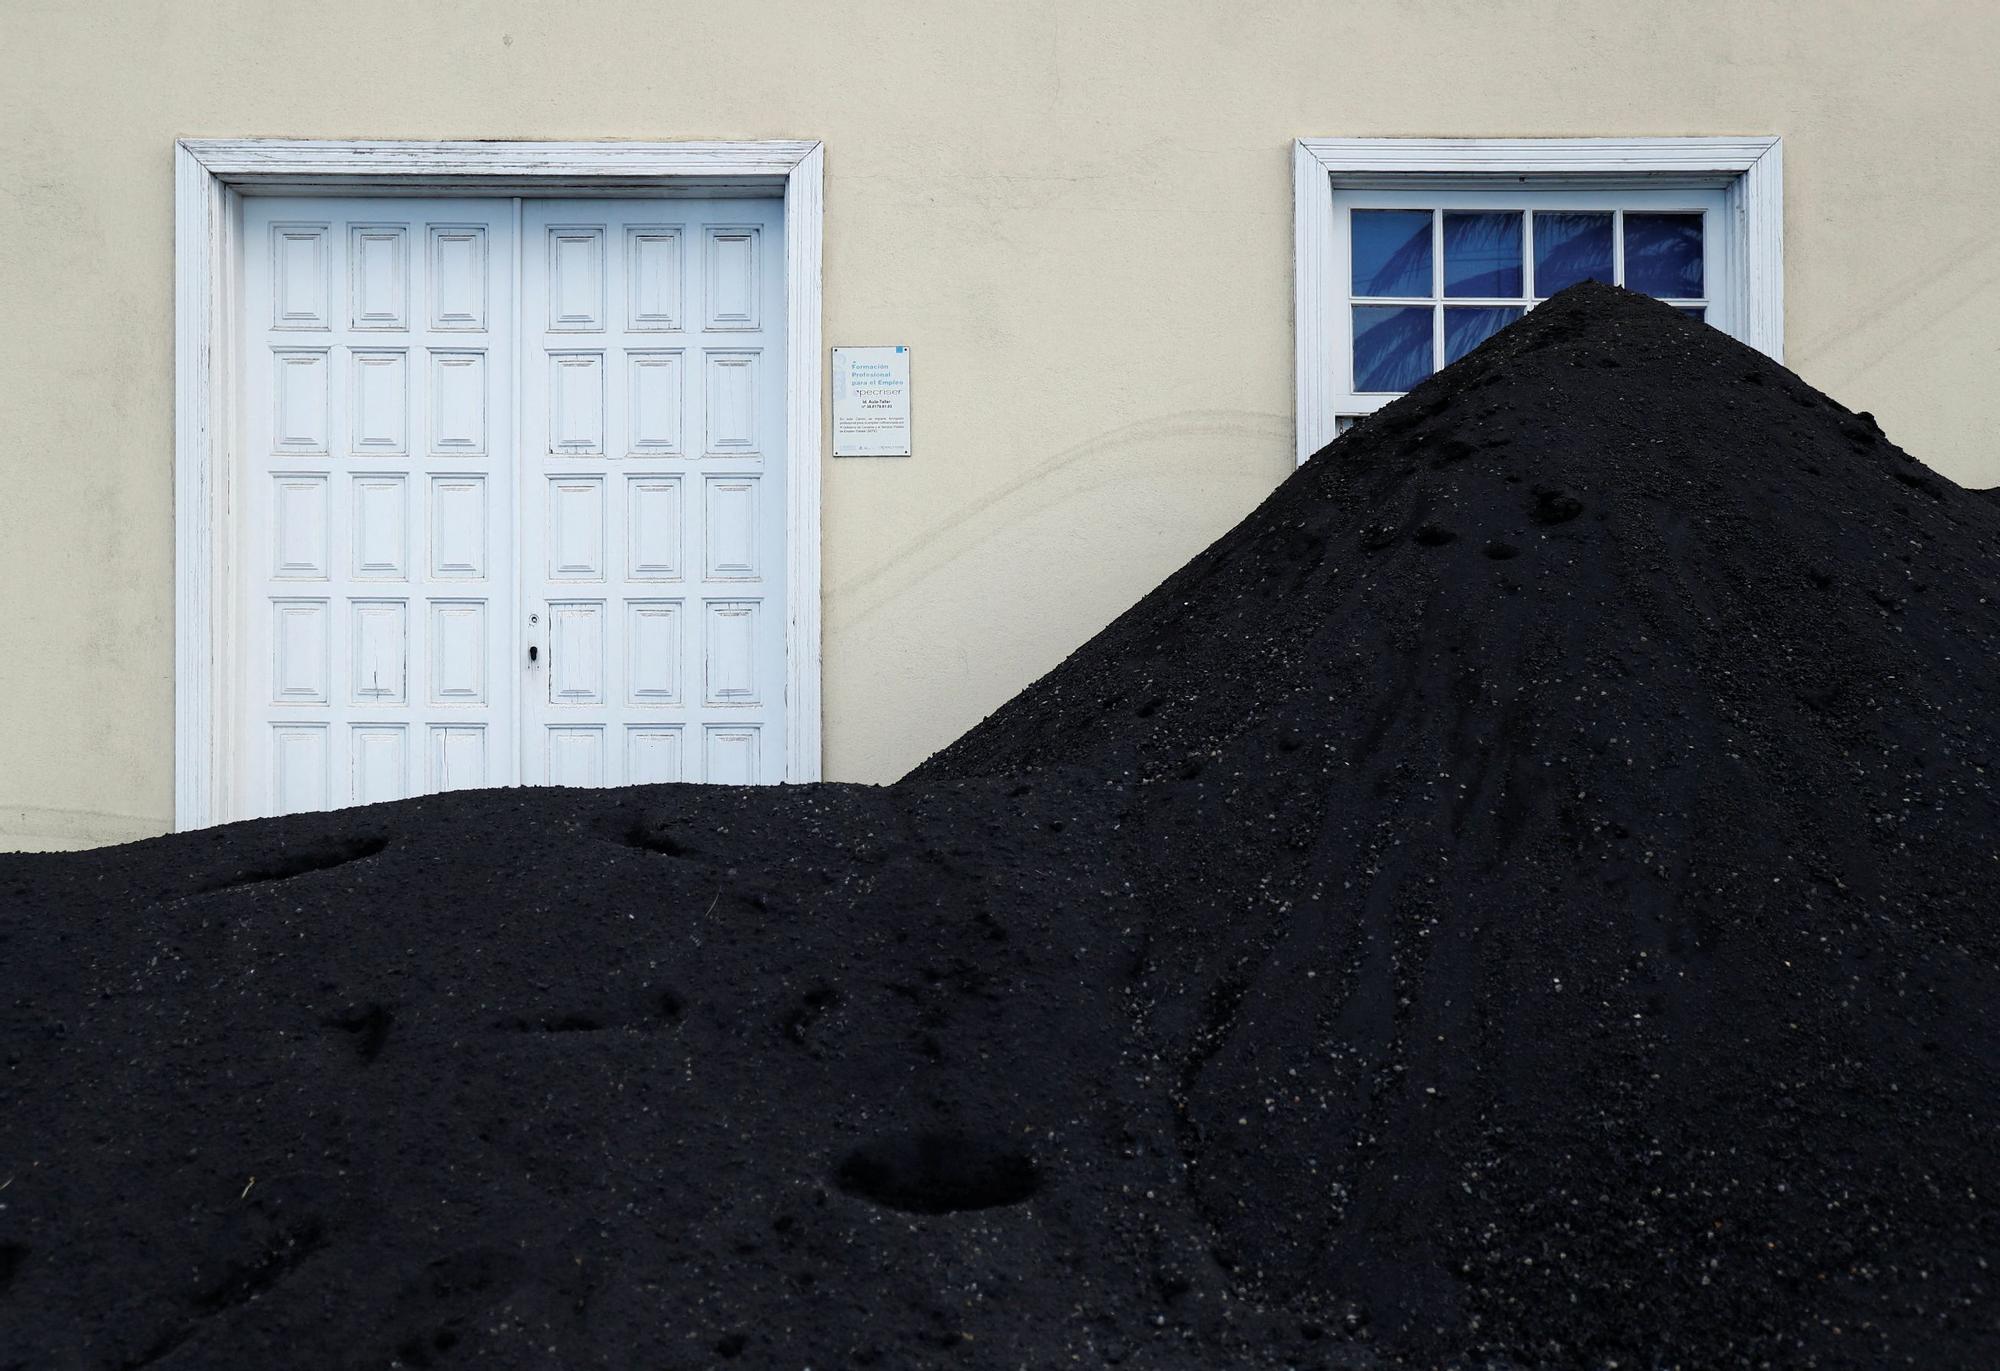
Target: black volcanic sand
(1524, 898)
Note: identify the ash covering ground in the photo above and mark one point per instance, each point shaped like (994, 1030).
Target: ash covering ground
(1524, 898)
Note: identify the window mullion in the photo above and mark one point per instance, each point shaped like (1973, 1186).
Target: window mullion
(1528, 254)
(1437, 291)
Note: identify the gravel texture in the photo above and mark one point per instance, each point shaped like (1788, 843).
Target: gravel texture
(1526, 897)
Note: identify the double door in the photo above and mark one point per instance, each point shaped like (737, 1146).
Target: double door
(512, 495)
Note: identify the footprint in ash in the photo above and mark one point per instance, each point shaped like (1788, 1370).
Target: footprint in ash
(938, 1173)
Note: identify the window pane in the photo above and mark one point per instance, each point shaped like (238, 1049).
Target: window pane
(1392, 251)
(1392, 346)
(1663, 255)
(1467, 326)
(1570, 247)
(1482, 254)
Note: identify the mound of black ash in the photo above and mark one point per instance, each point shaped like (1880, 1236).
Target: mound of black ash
(1523, 898)
(1570, 827)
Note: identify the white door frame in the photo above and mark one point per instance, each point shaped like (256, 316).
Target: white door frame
(1750, 172)
(211, 177)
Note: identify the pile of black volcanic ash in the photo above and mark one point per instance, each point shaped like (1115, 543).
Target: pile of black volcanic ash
(1522, 899)
(1569, 812)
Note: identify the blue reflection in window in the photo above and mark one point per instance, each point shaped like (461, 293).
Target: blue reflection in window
(1482, 254)
(1570, 246)
(1392, 346)
(1392, 251)
(1663, 254)
(1467, 326)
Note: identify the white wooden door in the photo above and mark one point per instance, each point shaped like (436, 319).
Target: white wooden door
(653, 496)
(374, 538)
(508, 512)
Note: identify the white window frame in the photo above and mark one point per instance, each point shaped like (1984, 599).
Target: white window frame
(1747, 294)
(211, 178)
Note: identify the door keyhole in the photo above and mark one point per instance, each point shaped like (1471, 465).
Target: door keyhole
(534, 653)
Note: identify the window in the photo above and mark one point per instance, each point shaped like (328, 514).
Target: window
(1427, 276)
(1412, 252)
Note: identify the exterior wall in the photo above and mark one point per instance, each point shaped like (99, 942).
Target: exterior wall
(1078, 216)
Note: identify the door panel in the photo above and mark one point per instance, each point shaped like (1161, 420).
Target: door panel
(652, 521)
(378, 600)
(467, 559)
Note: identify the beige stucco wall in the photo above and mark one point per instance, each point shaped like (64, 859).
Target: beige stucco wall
(1078, 215)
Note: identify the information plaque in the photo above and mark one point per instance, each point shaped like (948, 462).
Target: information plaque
(871, 402)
